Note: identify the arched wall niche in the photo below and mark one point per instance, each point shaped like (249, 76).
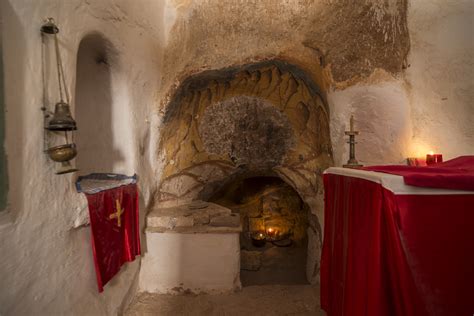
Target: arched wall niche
(262, 119)
(96, 62)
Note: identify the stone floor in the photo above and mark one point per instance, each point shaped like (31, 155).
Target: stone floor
(250, 301)
(279, 265)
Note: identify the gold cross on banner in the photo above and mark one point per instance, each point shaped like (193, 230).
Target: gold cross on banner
(119, 211)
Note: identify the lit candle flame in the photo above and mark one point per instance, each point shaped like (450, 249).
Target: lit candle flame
(431, 153)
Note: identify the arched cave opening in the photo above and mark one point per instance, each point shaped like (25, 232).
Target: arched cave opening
(244, 149)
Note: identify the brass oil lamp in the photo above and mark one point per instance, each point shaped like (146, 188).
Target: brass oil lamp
(61, 119)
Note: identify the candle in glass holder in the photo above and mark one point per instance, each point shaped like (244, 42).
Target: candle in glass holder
(258, 239)
(270, 232)
(432, 158)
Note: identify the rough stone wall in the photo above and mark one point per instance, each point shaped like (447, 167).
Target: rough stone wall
(47, 266)
(348, 39)
(358, 37)
(251, 131)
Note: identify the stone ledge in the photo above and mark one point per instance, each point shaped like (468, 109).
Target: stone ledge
(195, 230)
(194, 217)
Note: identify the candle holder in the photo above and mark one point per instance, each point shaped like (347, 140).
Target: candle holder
(352, 162)
(274, 234)
(258, 239)
(432, 159)
(271, 234)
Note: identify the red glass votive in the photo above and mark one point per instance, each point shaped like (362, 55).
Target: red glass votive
(432, 159)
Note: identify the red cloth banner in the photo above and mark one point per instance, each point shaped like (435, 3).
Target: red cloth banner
(115, 230)
(387, 254)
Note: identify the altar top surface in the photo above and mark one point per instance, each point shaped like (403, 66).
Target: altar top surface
(391, 182)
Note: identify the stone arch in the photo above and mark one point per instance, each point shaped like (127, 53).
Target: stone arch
(271, 97)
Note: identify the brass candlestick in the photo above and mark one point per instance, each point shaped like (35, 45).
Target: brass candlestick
(352, 162)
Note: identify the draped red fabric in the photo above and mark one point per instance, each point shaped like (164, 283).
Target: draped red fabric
(115, 230)
(388, 254)
(454, 174)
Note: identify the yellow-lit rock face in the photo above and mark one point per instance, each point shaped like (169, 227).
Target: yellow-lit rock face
(262, 119)
(284, 212)
(266, 203)
(253, 133)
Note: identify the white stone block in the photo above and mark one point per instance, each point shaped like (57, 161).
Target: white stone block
(198, 263)
(170, 222)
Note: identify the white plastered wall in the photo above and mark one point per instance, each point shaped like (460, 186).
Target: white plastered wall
(441, 76)
(430, 107)
(47, 266)
(382, 116)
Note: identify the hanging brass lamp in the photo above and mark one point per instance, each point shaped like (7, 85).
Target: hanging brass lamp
(61, 119)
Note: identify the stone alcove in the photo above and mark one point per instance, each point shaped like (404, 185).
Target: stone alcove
(274, 221)
(266, 119)
(96, 142)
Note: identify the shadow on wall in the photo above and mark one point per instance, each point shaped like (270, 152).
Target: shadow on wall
(3, 155)
(94, 102)
(14, 86)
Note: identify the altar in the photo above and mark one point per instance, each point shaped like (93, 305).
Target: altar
(395, 249)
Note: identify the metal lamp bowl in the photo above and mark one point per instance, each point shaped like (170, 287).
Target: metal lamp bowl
(62, 153)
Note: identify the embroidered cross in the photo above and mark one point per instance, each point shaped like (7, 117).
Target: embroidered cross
(119, 211)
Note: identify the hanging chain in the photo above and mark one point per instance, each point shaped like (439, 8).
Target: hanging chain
(43, 75)
(61, 69)
(58, 65)
(44, 107)
(61, 77)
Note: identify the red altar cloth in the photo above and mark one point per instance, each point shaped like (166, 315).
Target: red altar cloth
(115, 230)
(395, 254)
(455, 174)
